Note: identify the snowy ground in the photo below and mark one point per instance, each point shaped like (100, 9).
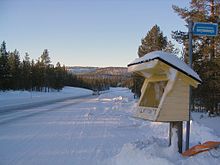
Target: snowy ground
(95, 130)
(14, 100)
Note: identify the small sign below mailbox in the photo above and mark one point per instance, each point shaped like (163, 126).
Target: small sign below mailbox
(205, 29)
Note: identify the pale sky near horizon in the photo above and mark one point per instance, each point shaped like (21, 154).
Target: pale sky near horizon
(85, 32)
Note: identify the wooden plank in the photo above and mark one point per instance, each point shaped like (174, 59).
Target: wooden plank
(177, 99)
(173, 110)
(147, 108)
(169, 119)
(148, 99)
(189, 80)
(162, 77)
(144, 86)
(173, 117)
(164, 66)
(175, 113)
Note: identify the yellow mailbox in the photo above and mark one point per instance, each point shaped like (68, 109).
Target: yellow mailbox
(165, 92)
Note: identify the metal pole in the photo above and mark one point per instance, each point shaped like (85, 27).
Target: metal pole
(190, 33)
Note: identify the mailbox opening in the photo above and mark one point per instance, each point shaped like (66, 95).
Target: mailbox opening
(153, 94)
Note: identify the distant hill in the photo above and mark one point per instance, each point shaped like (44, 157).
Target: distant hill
(112, 71)
(81, 69)
(99, 72)
(96, 78)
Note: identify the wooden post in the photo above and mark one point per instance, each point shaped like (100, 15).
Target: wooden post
(178, 125)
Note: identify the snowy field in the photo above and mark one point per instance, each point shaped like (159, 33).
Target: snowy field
(96, 130)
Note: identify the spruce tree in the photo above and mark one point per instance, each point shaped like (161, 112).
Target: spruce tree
(58, 77)
(44, 58)
(45, 66)
(155, 40)
(4, 68)
(14, 70)
(26, 73)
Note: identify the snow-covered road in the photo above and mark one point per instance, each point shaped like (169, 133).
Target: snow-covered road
(96, 130)
(76, 131)
(18, 100)
(12, 115)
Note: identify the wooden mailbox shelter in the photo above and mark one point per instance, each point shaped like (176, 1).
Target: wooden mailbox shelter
(165, 91)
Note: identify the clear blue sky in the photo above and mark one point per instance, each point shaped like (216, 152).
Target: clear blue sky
(85, 32)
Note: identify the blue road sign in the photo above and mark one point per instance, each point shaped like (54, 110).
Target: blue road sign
(205, 29)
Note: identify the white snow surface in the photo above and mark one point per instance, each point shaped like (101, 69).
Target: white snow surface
(20, 99)
(171, 59)
(99, 130)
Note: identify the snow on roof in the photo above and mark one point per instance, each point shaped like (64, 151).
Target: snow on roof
(169, 59)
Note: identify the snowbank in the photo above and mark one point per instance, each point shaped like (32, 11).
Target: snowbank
(155, 154)
(155, 151)
(11, 100)
(204, 120)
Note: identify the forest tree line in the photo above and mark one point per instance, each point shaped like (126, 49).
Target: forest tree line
(101, 83)
(27, 74)
(41, 75)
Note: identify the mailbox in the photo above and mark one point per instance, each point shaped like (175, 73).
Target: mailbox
(165, 91)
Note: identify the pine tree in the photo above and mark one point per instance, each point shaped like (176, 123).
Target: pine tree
(58, 77)
(170, 48)
(45, 66)
(155, 40)
(26, 73)
(14, 70)
(44, 58)
(4, 67)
